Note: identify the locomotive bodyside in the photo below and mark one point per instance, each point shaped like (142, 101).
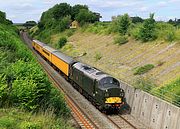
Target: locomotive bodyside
(99, 87)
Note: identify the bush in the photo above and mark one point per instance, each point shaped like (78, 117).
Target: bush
(148, 32)
(143, 69)
(121, 40)
(62, 42)
(121, 24)
(144, 83)
(23, 83)
(170, 36)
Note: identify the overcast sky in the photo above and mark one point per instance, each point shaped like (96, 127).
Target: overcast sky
(24, 10)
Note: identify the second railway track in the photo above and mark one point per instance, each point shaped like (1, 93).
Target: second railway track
(85, 114)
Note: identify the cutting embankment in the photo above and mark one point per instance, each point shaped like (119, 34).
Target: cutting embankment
(152, 66)
(27, 98)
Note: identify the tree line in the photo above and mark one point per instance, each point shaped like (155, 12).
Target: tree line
(61, 15)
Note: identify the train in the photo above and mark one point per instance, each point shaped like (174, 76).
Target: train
(98, 87)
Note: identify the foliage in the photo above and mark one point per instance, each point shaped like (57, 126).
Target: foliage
(18, 119)
(62, 42)
(170, 92)
(3, 19)
(137, 19)
(97, 28)
(143, 69)
(121, 40)
(76, 9)
(170, 36)
(70, 32)
(148, 32)
(61, 10)
(134, 29)
(144, 83)
(98, 56)
(23, 83)
(63, 24)
(85, 16)
(121, 24)
(30, 24)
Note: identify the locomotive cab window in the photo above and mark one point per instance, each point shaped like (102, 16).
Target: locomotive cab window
(109, 80)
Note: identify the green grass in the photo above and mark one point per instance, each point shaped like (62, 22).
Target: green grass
(169, 92)
(120, 40)
(143, 69)
(18, 119)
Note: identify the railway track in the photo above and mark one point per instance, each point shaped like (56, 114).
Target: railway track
(80, 117)
(86, 115)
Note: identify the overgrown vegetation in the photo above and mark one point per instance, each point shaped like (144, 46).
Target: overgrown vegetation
(169, 92)
(18, 119)
(23, 84)
(147, 31)
(62, 42)
(144, 83)
(121, 40)
(143, 69)
(59, 18)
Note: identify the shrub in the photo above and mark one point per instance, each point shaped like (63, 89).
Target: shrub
(23, 83)
(170, 36)
(143, 69)
(62, 42)
(7, 122)
(121, 40)
(148, 32)
(144, 83)
(134, 30)
(121, 24)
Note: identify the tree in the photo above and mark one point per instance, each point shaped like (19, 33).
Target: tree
(148, 32)
(85, 16)
(3, 19)
(123, 22)
(61, 10)
(76, 9)
(30, 23)
(136, 19)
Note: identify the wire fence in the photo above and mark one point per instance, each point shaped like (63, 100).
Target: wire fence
(166, 95)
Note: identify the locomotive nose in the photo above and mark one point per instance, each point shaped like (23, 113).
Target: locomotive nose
(115, 92)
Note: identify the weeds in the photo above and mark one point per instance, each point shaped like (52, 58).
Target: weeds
(121, 40)
(98, 56)
(143, 69)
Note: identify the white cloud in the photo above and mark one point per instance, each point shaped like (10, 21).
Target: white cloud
(22, 10)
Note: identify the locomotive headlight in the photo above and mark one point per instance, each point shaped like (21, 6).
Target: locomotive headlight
(106, 90)
(121, 94)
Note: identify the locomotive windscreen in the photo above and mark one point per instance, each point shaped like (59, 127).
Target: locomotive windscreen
(106, 82)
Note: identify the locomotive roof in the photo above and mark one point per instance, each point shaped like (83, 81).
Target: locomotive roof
(62, 56)
(91, 71)
(39, 43)
(50, 49)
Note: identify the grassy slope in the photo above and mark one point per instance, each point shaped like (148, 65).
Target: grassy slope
(17, 63)
(18, 119)
(120, 60)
